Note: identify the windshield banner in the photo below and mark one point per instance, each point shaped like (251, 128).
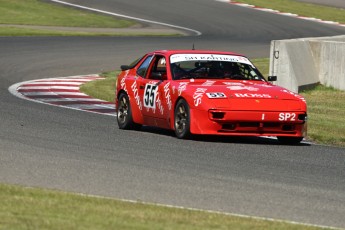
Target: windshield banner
(208, 57)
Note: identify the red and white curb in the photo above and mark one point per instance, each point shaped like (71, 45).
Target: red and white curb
(280, 13)
(63, 92)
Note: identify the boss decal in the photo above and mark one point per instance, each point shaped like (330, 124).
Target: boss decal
(150, 94)
(197, 96)
(216, 95)
(167, 95)
(134, 87)
(252, 95)
(123, 84)
(159, 104)
(126, 73)
(287, 117)
(182, 87)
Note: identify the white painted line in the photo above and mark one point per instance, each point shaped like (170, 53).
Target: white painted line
(268, 10)
(128, 17)
(309, 18)
(244, 5)
(289, 14)
(331, 22)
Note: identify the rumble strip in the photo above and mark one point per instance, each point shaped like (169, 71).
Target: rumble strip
(63, 92)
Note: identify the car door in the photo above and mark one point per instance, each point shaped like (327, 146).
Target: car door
(153, 93)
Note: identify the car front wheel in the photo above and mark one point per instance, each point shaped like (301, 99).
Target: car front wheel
(124, 113)
(182, 120)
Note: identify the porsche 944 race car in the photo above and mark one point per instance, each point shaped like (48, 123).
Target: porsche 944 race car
(207, 92)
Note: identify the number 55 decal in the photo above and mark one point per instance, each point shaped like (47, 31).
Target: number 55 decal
(150, 95)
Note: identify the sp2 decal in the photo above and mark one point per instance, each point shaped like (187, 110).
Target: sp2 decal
(287, 117)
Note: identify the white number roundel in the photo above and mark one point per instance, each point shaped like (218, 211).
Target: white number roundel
(150, 95)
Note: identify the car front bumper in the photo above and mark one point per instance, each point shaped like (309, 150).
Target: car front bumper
(249, 123)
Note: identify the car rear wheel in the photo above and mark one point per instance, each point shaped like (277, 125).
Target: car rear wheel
(290, 140)
(124, 113)
(182, 120)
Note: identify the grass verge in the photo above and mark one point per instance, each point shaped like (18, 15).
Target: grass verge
(30, 208)
(16, 17)
(303, 9)
(102, 89)
(36, 12)
(326, 106)
(326, 109)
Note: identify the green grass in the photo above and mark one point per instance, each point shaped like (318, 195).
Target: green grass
(263, 65)
(302, 9)
(326, 107)
(31, 208)
(35, 12)
(102, 89)
(38, 18)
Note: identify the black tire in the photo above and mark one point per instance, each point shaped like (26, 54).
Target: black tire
(182, 120)
(124, 114)
(290, 140)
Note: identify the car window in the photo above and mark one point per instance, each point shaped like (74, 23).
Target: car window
(158, 70)
(144, 66)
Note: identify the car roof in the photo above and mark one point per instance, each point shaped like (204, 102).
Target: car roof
(170, 52)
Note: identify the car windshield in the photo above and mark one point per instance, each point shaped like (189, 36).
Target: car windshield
(211, 66)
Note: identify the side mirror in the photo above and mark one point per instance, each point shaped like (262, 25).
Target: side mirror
(272, 78)
(125, 67)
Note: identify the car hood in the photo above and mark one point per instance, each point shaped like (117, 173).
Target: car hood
(242, 95)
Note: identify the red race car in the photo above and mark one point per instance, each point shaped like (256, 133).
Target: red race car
(207, 92)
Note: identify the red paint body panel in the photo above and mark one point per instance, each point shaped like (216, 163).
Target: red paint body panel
(218, 105)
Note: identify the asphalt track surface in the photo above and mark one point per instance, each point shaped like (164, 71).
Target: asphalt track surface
(52, 147)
